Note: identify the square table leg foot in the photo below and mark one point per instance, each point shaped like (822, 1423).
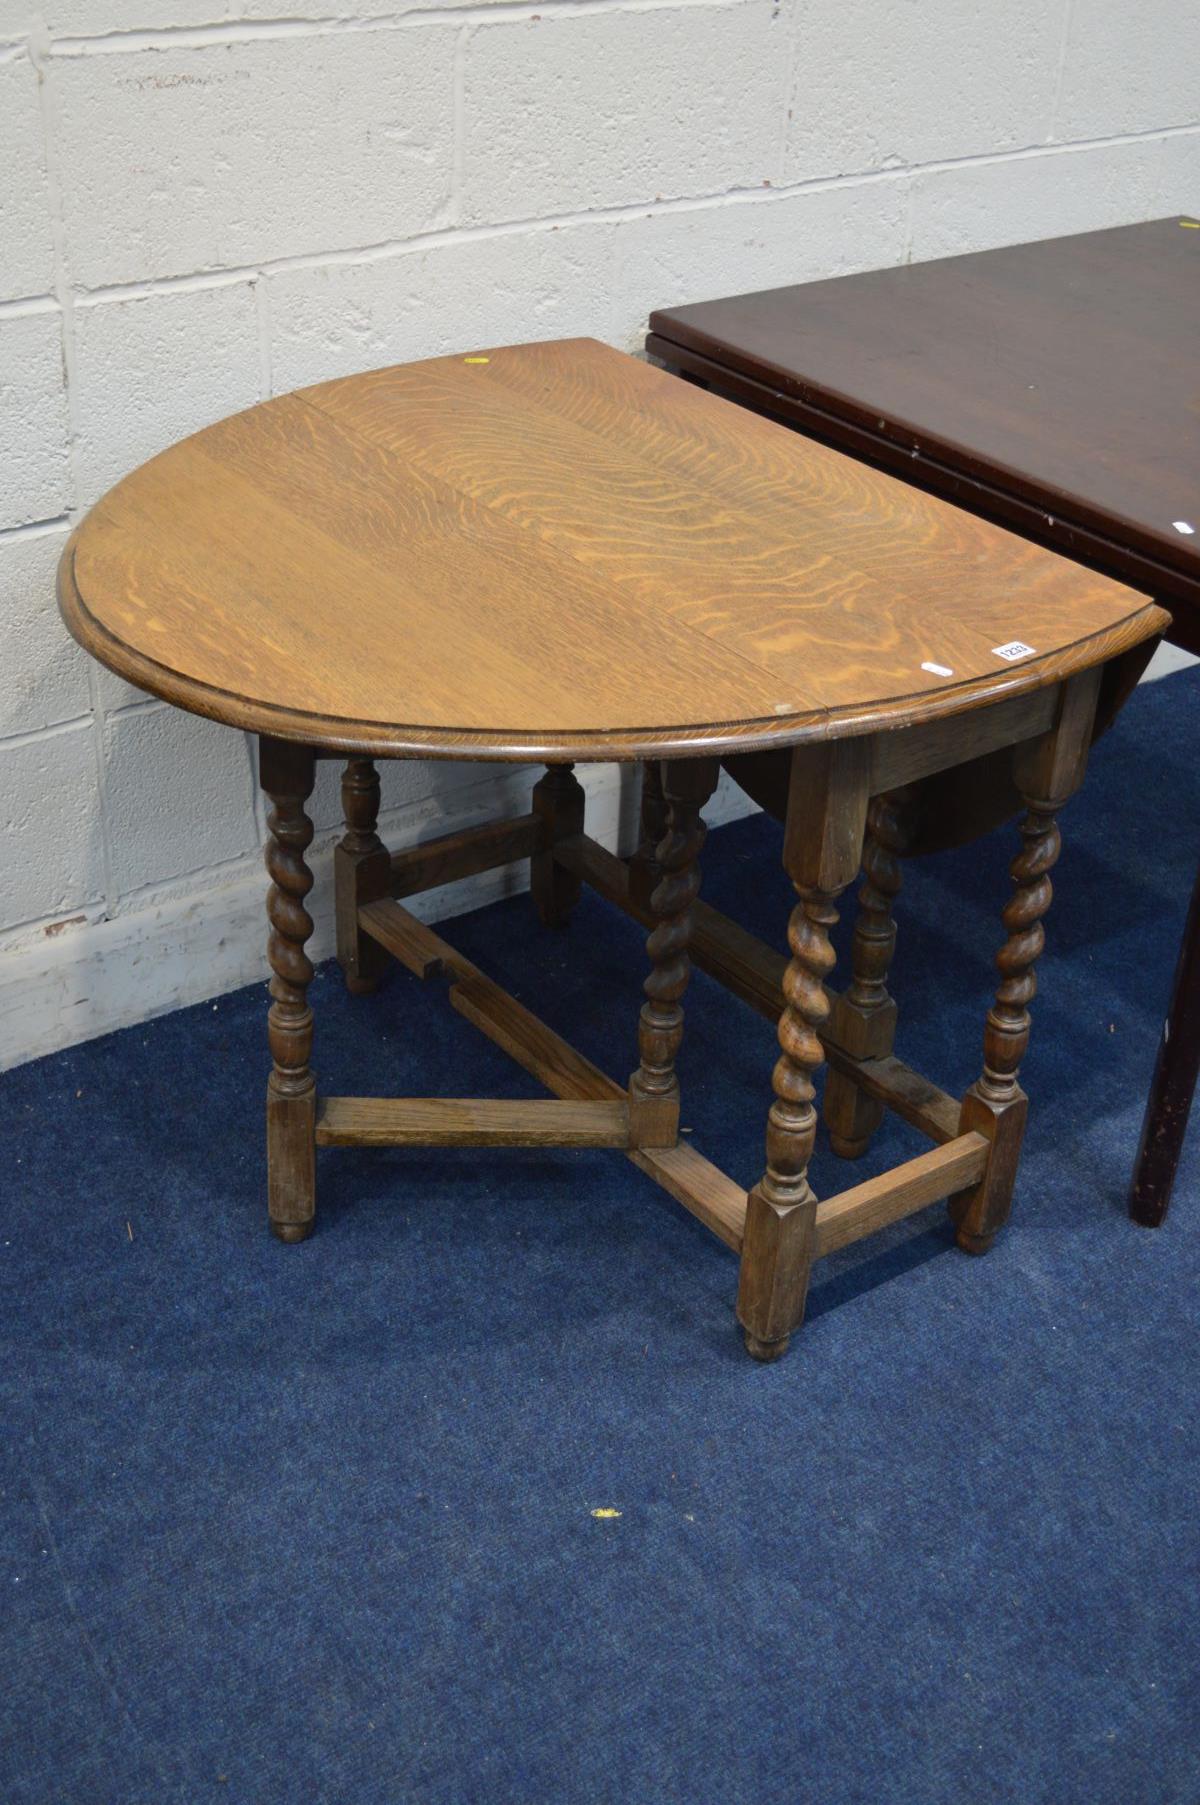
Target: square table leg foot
(361, 987)
(777, 1257)
(291, 1161)
(653, 1114)
(851, 1117)
(853, 1149)
(288, 1232)
(974, 1244)
(978, 1215)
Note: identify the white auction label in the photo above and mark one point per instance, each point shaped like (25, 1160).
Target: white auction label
(1016, 648)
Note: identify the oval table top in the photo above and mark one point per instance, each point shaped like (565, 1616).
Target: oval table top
(557, 551)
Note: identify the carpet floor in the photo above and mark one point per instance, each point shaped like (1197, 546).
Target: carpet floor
(317, 1523)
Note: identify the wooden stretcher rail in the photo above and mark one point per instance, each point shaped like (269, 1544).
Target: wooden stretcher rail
(754, 972)
(470, 1122)
(691, 1179)
(906, 1093)
(710, 1194)
(593, 1108)
(907, 1188)
(408, 939)
(466, 854)
(526, 1038)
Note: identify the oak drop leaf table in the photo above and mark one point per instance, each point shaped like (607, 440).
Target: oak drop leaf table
(557, 553)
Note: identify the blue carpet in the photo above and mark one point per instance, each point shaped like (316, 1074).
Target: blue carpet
(315, 1523)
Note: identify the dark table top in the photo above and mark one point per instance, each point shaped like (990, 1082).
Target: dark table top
(1053, 385)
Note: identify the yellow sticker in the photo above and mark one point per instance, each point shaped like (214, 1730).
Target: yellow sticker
(606, 1513)
(1193, 225)
(477, 360)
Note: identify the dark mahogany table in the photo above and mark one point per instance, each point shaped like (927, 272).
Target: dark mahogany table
(1053, 388)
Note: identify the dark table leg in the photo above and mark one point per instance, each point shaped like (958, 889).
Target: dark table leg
(1174, 1081)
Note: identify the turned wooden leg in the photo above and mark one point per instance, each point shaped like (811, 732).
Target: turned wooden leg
(823, 837)
(687, 785)
(558, 799)
(1048, 770)
(362, 871)
(864, 1016)
(286, 774)
(644, 872)
(782, 1207)
(995, 1104)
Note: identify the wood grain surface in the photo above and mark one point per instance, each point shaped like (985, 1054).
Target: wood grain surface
(1052, 386)
(471, 1122)
(556, 550)
(870, 1206)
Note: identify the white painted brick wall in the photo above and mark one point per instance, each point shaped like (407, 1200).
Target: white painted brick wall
(225, 155)
(43, 673)
(545, 282)
(1128, 68)
(204, 202)
(885, 86)
(151, 369)
(27, 239)
(570, 110)
(34, 433)
(52, 829)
